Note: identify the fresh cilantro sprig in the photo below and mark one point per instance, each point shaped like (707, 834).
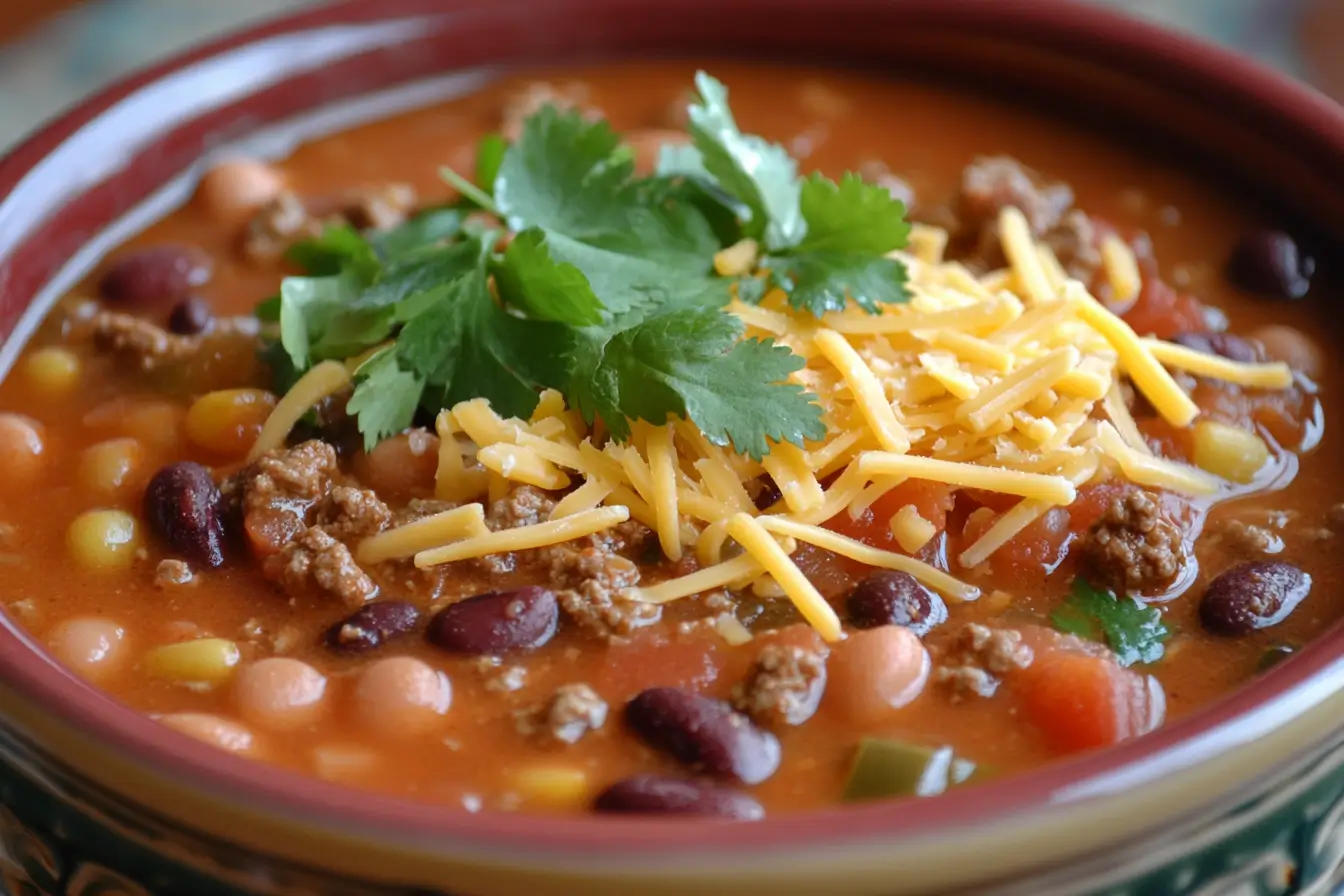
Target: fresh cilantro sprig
(605, 289)
(1133, 630)
(826, 243)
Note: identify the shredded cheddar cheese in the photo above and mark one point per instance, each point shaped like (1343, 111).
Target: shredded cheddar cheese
(323, 381)
(1010, 382)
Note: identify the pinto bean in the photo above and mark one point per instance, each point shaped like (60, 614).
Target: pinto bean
(662, 795)
(497, 622)
(1270, 263)
(888, 597)
(875, 672)
(370, 626)
(705, 734)
(161, 274)
(184, 507)
(1293, 347)
(1252, 596)
(234, 189)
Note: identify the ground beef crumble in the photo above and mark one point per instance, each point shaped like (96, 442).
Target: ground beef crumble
(784, 686)
(1134, 548)
(288, 218)
(523, 506)
(1074, 242)
(527, 102)
(990, 184)
(1247, 538)
(573, 711)
(173, 574)
(283, 485)
(979, 657)
(500, 677)
(150, 347)
(314, 561)
(591, 581)
(420, 508)
(352, 513)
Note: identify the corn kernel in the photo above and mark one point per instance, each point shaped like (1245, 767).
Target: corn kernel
(107, 467)
(552, 786)
(227, 422)
(103, 539)
(1226, 451)
(209, 661)
(54, 370)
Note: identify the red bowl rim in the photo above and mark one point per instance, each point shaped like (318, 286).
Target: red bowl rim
(1289, 691)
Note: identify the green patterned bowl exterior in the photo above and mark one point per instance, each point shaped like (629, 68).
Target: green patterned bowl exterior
(1244, 798)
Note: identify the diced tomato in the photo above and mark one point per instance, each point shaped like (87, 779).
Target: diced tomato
(1092, 501)
(650, 658)
(997, 501)
(933, 500)
(1080, 701)
(1028, 556)
(1163, 312)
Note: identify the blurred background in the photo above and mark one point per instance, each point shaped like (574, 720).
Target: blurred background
(53, 52)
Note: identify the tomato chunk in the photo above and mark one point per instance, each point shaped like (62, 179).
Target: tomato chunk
(1163, 312)
(1030, 554)
(1081, 701)
(933, 500)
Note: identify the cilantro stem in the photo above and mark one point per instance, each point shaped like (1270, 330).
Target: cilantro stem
(469, 190)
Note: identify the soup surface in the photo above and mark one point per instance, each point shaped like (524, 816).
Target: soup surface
(310, 579)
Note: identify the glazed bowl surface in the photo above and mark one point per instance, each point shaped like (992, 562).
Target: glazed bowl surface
(97, 799)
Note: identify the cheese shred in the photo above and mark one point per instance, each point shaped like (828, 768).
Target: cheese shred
(323, 381)
(1011, 382)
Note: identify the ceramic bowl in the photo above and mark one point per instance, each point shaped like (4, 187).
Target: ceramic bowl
(1246, 797)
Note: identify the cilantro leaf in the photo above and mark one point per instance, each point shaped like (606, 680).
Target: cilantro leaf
(418, 272)
(568, 176)
(823, 281)
(425, 229)
(268, 310)
(560, 174)
(465, 346)
(489, 155)
(531, 280)
(339, 249)
(1133, 630)
(689, 362)
(759, 175)
(851, 216)
(385, 397)
(307, 306)
(851, 226)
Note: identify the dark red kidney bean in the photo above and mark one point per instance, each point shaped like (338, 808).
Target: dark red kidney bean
(888, 597)
(1234, 348)
(1252, 596)
(706, 734)
(662, 795)
(190, 316)
(1269, 263)
(497, 623)
(183, 506)
(767, 493)
(370, 626)
(161, 274)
